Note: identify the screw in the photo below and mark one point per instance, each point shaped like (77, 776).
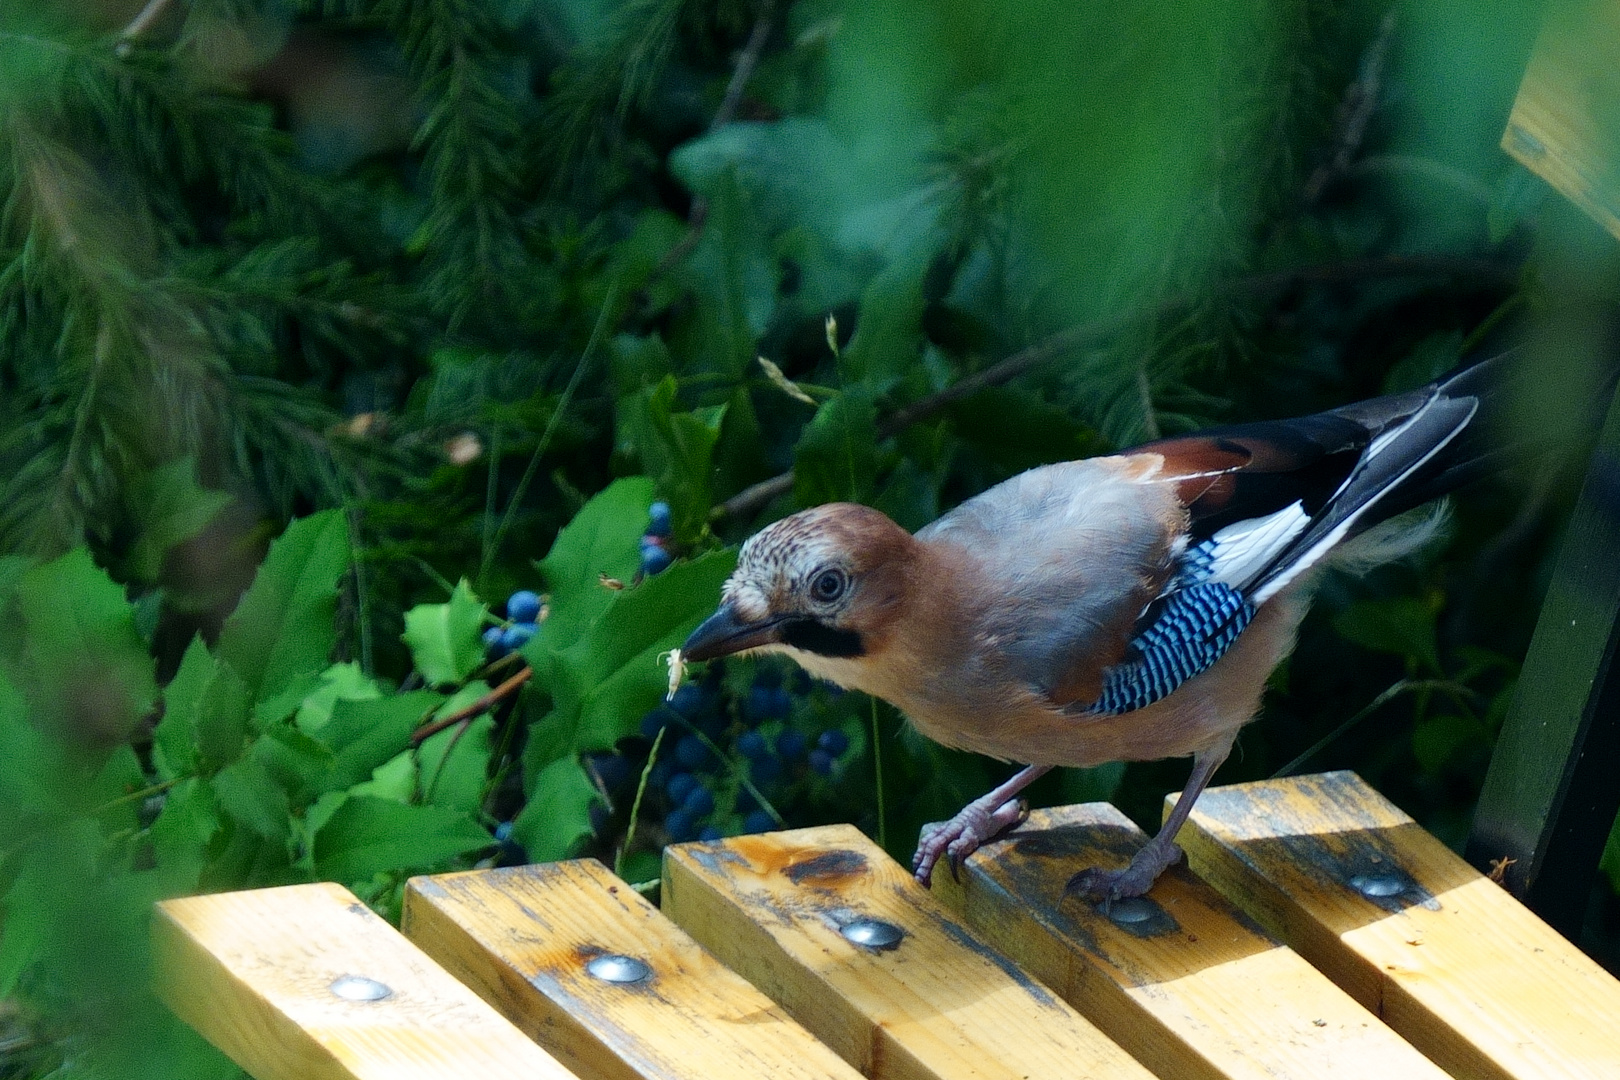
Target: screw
(1377, 885)
(614, 968)
(873, 933)
(358, 988)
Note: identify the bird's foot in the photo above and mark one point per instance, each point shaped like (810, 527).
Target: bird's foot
(963, 834)
(1107, 886)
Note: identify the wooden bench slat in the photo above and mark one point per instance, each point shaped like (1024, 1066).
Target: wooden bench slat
(1468, 974)
(253, 972)
(1190, 987)
(522, 937)
(941, 1004)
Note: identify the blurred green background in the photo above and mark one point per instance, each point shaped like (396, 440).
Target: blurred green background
(435, 278)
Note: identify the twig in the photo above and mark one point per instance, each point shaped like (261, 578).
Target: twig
(698, 216)
(1355, 112)
(467, 712)
(1094, 333)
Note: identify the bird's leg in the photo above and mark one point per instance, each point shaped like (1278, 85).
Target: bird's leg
(979, 820)
(1159, 853)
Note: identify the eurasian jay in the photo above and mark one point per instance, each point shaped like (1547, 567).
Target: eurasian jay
(1121, 608)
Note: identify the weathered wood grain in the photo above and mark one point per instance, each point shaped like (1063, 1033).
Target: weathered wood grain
(1565, 123)
(254, 971)
(1183, 981)
(1464, 971)
(940, 1004)
(522, 937)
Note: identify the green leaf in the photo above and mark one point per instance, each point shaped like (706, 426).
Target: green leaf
(888, 339)
(181, 835)
(365, 734)
(82, 666)
(558, 814)
(444, 639)
(368, 835)
(675, 448)
(249, 792)
(603, 538)
(394, 779)
(205, 718)
(836, 459)
(1403, 625)
(457, 781)
(321, 693)
(607, 678)
(283, 628)
(169, 508)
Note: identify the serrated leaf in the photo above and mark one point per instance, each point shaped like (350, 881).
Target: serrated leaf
(170, 508)
(675, 448)
(181, 834)
(457, 781)
(394, 779)
(836, 459)
(283, 627)
(340, 682)
(603, 538)
(364, 734)
(444, 639)
(82, 666)
(367, 835)
(248, 791)
(174, 743)
(604, 681)
(558, 814)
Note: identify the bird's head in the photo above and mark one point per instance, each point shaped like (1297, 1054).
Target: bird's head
(824, 586)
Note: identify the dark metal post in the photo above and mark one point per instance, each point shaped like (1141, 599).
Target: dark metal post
(1553, 787)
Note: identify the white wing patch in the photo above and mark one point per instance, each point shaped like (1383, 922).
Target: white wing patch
(1244, 548)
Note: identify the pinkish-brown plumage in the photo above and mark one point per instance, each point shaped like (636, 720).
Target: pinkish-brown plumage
(1120, 608)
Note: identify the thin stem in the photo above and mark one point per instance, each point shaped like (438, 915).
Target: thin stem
(467, 712)
(635, 805)
(1399, 687)
(877, 770)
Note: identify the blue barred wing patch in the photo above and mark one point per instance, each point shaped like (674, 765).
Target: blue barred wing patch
(1194, 628)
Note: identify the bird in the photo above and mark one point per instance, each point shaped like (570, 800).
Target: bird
(1127, 607)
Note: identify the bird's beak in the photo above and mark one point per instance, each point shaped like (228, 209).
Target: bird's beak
(724, 633)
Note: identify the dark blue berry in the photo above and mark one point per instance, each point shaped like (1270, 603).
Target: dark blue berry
(523, 606)
(821, 761)
(653, 723)
(492, 642)
(691, 752)
(833, 741)
(688, 700)
(710, 834)
(658, 519)
(768, 676)
(681, 825)
(758, 821)
(765, 770)
(660, 774)
(600, 819)
(802, 682)
(752, 745)
(699, 801)
(679, 787)
(503, 831)
(654, 561)
(781, 702)
(517, 635)
(765, 703)
(746, 801)
(791, 745)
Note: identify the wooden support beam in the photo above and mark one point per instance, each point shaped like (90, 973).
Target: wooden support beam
(287, 982)
(936, 1003)
(1180, 979)
(524, 938)
(1466, 973)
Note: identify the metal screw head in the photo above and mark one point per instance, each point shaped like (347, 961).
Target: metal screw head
(1373, 885)
(1132, 909)
(358, 988)
(613, 968)
(873, 933)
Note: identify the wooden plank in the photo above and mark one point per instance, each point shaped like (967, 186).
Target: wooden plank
(939, 1003)
(523, 937)
(1550, 795)
(1562, 124)
(1180, 979)
(1468, 974)
(258, 974)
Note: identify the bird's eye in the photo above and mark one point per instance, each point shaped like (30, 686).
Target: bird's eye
(829, 585)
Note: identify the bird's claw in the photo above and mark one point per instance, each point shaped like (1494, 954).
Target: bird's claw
(1106, 886)
(961, 836)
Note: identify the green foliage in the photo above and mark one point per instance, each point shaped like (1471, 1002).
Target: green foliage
(503, 281)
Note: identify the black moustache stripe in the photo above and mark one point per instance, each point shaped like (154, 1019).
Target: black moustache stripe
(810, 636)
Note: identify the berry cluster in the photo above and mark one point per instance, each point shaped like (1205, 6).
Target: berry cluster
(523, 613)
(655, 556)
